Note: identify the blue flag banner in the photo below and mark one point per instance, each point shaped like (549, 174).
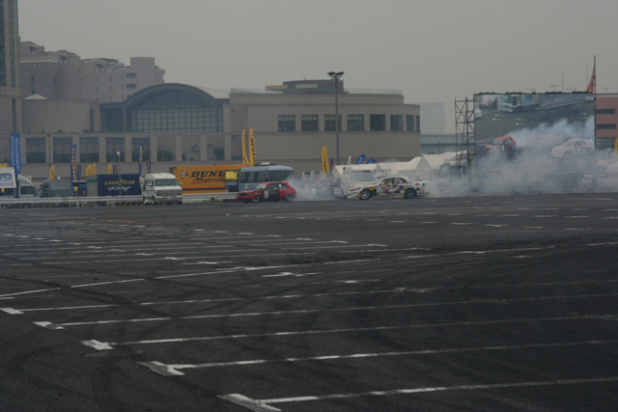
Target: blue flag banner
(15, 152)
(372, 161)
(73, 157)
(360, 159)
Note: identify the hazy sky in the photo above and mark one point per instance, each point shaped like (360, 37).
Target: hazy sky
(432, 50)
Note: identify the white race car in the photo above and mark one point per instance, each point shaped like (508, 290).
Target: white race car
(390, 186)
(573, 147)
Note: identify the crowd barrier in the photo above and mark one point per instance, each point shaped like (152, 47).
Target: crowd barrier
(103, 201)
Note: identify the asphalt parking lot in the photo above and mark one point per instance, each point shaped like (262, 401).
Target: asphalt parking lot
(495, 303)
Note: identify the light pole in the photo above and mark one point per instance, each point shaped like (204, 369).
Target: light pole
(335, 76)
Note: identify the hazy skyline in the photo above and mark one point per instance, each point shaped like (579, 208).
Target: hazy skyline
(434, 51)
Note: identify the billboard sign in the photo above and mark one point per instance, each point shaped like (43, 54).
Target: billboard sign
(7, 178)
(535, 122)
(112, 184)
(534, 143)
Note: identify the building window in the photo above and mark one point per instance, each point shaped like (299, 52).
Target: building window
(606, 126)
(418, 123)
(35, 150)
(287, 123)
(329, 123)
(113, 145)
(410, 123)
(356, 122)
(88, 149)
(602, 143)
(185, 113)
(377, 122)
(309, 123)
(62, 149)
(396, 122)
(606, 111)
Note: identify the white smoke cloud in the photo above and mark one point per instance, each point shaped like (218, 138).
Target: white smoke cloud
(531, 168)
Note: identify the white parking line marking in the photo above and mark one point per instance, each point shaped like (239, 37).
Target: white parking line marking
(95, 344)
(263, 404)
(250, 362)
(252, 404)
(160, 368)
(48, 325)
(29, 292)
(12, 311)
(108, 345)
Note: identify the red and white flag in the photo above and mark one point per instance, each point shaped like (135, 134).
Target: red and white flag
(592, 86)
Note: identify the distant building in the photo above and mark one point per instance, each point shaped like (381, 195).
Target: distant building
(62, 75)
(606, 121)
(177, 123)
(10, 102)
(432, 118)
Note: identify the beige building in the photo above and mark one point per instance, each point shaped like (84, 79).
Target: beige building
(292, 125)
(181, 124)
(64, 75)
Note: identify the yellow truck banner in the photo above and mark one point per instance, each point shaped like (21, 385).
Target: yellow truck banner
(205, 179)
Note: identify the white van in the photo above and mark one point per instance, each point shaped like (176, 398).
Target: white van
(161, 188)
(26, 188)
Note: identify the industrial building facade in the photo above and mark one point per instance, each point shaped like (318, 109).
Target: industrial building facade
(177, 123)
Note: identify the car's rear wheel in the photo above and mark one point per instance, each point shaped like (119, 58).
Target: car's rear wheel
(288, 197)
(256, 199)
(410, 193)
(364, 194)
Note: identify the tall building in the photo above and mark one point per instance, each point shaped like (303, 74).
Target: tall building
(606, 121)
(10, 102)
(62, 75)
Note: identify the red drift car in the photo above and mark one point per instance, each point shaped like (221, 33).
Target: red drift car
(268, 191)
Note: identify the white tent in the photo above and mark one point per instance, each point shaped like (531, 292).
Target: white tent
(418, 167)
(340, 170)
(436, 160)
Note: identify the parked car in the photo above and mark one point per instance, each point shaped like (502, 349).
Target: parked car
(573, 147)
(390, 186)
(274, 191)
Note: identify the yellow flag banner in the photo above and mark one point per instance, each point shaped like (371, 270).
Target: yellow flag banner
(253, 155)
(245, 159)
(325, 166)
